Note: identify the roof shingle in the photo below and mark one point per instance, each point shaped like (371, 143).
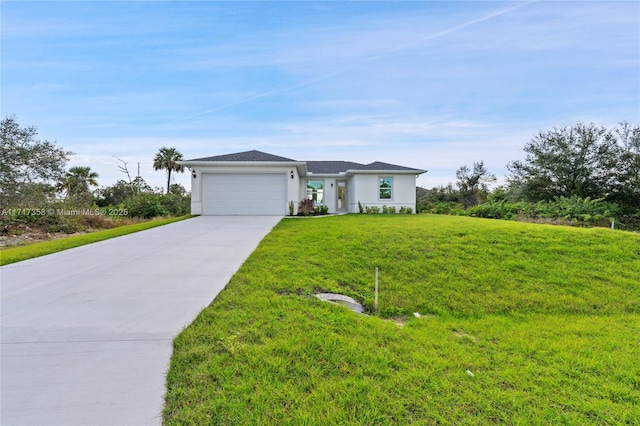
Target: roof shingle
(331, 167)
(246, 156)
(313, 167)
(378, 165)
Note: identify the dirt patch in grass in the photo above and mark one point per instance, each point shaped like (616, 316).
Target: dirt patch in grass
(34, 236)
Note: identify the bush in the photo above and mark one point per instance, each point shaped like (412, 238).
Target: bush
(388, 210)
(629, 222)
(444, 207)
(101, 221)
(69, 217)
(567, 210)
(147, 205)
(175, 204)
(305, 207)
(498, 210)
(321, 210)
(577, 209)
(372, 210)
(55, 217)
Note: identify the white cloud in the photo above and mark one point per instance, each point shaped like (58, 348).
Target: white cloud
(428, 85)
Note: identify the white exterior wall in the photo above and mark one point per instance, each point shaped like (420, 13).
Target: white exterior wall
(293, 190)
(361, 187)
(405, 191)
(292, 185)
(366, 191)
(196, 193)
(329, 194)
(352, 200)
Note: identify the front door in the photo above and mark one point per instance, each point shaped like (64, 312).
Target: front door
(342, 196)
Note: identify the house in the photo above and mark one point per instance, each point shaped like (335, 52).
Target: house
(257, 183)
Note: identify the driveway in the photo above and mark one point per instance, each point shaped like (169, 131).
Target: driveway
(87, 333)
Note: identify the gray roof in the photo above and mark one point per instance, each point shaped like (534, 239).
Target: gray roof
(378, 165)
(331, 167)
(245, 156)
(315, 167)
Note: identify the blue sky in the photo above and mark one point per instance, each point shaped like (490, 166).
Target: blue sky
(431, 85)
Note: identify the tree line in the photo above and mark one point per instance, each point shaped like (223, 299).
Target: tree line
(34, 174)
(580, 172)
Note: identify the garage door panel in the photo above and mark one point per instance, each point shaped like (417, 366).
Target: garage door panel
(244, 194)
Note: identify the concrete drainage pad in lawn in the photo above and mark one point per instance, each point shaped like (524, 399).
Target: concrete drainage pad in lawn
(341, 299)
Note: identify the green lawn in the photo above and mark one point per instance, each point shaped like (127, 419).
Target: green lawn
(16, 254)
(521, 324)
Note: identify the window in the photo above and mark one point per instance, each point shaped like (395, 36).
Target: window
(385, 187)
(315, 191)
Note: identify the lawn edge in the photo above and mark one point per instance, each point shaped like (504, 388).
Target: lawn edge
(18, 254)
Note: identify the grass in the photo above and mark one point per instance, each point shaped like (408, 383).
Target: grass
(24, 252)
(521, 324)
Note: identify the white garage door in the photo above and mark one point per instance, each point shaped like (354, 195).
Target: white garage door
(244, 194)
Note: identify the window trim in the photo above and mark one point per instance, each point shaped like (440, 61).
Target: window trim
(380, 188)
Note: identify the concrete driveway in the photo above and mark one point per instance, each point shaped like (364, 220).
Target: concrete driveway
(87, 333)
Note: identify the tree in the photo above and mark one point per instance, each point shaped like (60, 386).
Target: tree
(140, 185)
(582, 160)
(29, 167)
(122, 165)
(122, 192)
(626, 188)
(177, 189)
(473, 184)
(167, 159)
(76, 184)
(114, 194)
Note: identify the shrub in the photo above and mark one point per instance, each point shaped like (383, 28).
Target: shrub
(498, 209)
(321, 210)
(444, 207)
(147, 205)
(567, 210)
(406, 210)
(176, 204)
(630, 222)
(290, 208)
(372, 210)
(305, 207)
(67, 225)
(577, 209)
(388, 210)
(361, 208)
(45, 219)
(97, 221)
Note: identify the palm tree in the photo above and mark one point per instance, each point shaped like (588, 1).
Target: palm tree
(77, 181)
(167, 158)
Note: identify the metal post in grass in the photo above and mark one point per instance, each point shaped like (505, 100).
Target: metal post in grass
(613, 222)
(375, 300)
